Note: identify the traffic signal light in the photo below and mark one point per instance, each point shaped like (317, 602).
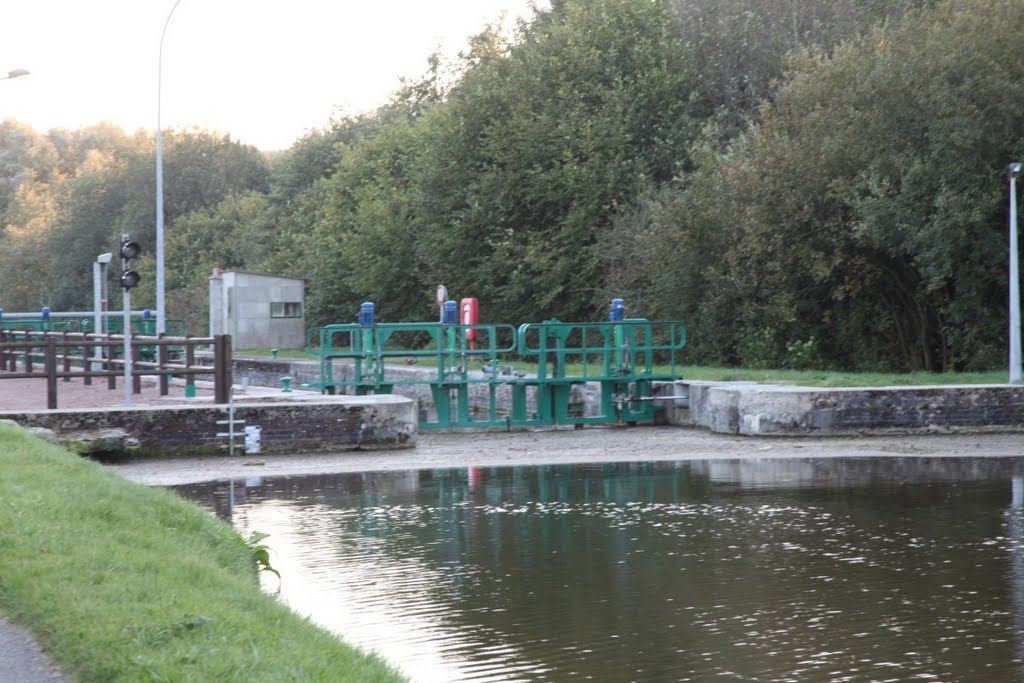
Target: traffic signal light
(129, 250)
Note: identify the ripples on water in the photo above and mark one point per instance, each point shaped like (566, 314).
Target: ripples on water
(835, 570)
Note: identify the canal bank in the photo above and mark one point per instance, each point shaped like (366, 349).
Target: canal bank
(271, 418)
(261, 420)
(745, 408)
(752, 409)
(436, 450)
(118, 582)
(595, 444)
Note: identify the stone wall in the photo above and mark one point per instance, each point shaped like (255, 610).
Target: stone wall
(326, 424)
(747, 408)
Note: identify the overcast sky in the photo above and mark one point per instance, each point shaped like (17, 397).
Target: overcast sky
(263, 71)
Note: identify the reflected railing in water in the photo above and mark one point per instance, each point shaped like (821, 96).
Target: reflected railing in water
(770, 569)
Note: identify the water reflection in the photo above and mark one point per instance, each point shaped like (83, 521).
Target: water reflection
(753, 570)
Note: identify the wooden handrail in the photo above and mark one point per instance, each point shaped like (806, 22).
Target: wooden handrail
(78, 348)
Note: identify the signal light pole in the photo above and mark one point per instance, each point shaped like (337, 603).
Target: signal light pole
(129, 278)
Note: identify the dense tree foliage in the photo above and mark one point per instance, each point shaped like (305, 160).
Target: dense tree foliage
(862, 224)
(82, 190)
(804, 182)
(740, 46)
(503, 189)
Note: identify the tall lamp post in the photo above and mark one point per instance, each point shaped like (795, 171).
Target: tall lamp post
(1015, 355)
(161, 308)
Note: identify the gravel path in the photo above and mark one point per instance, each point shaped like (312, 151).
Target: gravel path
(23, 661)
(30, 394)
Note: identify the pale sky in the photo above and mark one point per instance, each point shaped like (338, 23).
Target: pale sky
(263, 71)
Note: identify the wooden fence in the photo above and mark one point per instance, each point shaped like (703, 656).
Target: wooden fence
(76, 355)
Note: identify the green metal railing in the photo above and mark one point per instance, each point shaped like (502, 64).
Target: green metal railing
(369, 348)
(40, 325)
(621, 357)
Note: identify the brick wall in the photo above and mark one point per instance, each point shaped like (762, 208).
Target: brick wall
(326, 424)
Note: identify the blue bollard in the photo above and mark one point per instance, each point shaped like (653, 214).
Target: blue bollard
(450, 313)
(366, 314)
(618, 311)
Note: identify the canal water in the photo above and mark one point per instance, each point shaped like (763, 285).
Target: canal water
(749, 570)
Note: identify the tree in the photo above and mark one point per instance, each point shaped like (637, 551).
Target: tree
(362, 246)
(538, 146)
(228, 236)
(740, 46)
(864, 218)
(113, 192)
(25, 156)
(25, 260)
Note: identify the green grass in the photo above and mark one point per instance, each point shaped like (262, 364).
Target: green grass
(120, 582)
(817, 378)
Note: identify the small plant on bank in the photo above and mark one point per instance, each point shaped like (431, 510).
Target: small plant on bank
(261, 554)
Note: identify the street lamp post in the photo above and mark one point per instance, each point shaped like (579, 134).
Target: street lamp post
(161, 308)
(1015, 353)
(14, 73)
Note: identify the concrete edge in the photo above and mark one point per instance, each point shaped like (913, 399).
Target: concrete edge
(748, 408)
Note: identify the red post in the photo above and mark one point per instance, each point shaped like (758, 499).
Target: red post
(470, 315)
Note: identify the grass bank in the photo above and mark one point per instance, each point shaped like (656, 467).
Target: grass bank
(120, 582)
(821, 378)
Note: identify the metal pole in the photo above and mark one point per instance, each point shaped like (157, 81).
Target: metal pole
(127, 346)
(97, 298)
(105, 300)
(161, 308)
(1015, 352)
